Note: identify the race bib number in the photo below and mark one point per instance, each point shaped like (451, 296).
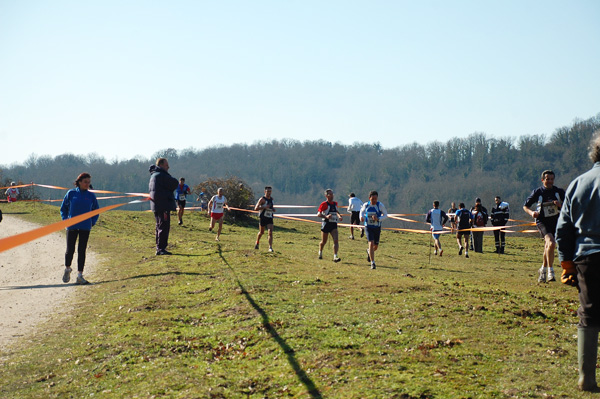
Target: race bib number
(218, 207)
(268, 213)
(550, 209)
(181, 197)
(370, 219)
(333, 218)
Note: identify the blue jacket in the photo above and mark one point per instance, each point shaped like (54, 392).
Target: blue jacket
(578, 228)
(77, 202)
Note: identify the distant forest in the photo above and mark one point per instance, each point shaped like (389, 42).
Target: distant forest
(408, 178)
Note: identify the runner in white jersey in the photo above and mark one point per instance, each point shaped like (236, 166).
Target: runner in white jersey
(216, 207)
(437, 219)
(12, 192)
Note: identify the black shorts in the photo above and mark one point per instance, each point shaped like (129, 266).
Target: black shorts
(547, 226)
(265, 221)
(373, 234)
(328, 227)
(463, 233)
(355, 217)
(181, 204)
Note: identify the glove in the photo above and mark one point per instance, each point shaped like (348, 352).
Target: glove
(569, 273)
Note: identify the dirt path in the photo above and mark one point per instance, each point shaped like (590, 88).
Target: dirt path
(31, 286)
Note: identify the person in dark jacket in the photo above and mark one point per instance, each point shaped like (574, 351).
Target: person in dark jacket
(579, 253)
(162, 202)
(500, 216)
(78, 201)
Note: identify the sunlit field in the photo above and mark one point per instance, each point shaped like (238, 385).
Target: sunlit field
(223, 320)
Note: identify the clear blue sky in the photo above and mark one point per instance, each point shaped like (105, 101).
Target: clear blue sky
(128, 78)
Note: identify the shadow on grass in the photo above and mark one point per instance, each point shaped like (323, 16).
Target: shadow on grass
(27, 287)
(289, 352)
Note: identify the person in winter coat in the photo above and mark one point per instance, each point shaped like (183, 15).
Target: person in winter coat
(161, 188)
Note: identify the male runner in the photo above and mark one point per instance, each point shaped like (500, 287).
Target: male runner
(217, 206)
(463, 221)
(437, 218)
(354, 205)
(180, 192)
(548, 200)
(265, 205)
(328, 212)
(451, 213)
(372, 214)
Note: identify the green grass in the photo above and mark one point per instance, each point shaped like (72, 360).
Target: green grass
(222, 320)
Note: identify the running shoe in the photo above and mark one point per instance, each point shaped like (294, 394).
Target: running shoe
(163, 252)
(466, 254)
(351, 237)
(368, 256)
(217, 238)
(67, 275)
(435, 252)
(270, 249)
(551, 274)
(81, 281)
(373, 267)
(460, 251)
(336, 259)
(320, 255)
(441, 252)
(362, 233)
(542, 276)
(256, 246)
(180, 222)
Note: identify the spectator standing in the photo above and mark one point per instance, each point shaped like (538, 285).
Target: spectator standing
(161, 187)
(579, 252)
(500, 216)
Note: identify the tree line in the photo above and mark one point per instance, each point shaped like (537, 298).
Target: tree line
(408, 177)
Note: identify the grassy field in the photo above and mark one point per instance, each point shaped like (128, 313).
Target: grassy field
(222, 320)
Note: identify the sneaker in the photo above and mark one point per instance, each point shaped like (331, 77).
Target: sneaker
(435, 252)
(471, 248)
(217, 238)
(497, 251)
(67, 275)
(362, 233)
(460, 251)
(163, 252)
(270, 249)
(501, 250)
(441, 252)
(351, 237)
(210, 229)
(336, 259)
(320, 255)
(373, 267)
(81, 281)
(542, 276)
(466, 254)
(551, 274)
(368, 256)
(180, 222)
(256, 246)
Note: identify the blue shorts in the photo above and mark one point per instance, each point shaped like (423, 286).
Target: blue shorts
(373, 234)
(436, 236)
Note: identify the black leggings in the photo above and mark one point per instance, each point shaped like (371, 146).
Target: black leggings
(84, 235)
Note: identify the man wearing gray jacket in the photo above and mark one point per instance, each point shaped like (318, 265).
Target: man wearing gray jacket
(162, 202)
(578, 239)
